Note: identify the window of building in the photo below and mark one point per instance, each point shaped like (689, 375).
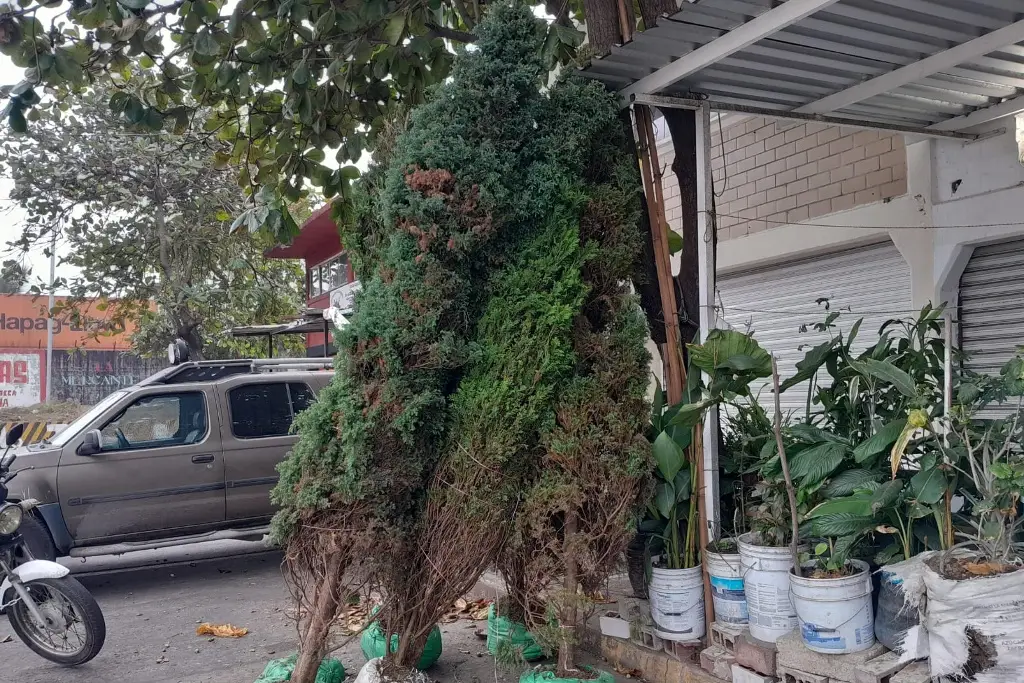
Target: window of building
(328, 275)
(263, 410)
(157, 421)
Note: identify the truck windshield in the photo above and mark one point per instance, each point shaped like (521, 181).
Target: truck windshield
(73, 429)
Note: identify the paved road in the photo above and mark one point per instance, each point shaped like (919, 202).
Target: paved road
(152, 612)
(153, 600)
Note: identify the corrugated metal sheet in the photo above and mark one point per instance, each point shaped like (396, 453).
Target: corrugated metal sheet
(992, 305)
(776, 303)
(833, 49)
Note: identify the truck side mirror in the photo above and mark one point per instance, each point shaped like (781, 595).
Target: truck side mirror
(90, 443)
(14, 434)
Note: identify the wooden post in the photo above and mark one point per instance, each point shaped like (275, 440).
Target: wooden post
(648, 148)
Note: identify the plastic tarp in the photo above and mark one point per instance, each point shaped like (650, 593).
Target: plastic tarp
(543, 675)
(977, 620)
(373, 645)
(502, 629)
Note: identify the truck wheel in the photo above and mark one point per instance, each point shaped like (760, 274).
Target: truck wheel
(37, 544)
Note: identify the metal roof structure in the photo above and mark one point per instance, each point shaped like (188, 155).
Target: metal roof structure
(940, 66)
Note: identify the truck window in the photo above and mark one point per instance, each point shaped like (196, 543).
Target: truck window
(157, 421)
(259, 411)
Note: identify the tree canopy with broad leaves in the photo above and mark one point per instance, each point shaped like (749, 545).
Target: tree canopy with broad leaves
(288, 83)
(143, 217)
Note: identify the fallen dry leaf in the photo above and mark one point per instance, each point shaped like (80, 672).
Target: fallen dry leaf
(600, 598)
(629, 673)
(221, 631)
(985, 568)
(474, 610)
(7, 639)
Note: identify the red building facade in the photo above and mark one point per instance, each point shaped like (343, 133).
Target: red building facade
(327, 268)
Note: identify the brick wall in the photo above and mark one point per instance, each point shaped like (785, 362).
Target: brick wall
(784, 172)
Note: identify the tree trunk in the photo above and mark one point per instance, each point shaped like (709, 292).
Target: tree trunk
(651, 11)
(313, 646)
(682, 126)
(568, 614)
(603, 26)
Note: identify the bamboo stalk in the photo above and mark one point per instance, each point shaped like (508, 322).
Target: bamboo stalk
(790, 490)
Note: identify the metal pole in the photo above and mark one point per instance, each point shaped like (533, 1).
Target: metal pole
(270, 346)
(327, 330)
(49, 318)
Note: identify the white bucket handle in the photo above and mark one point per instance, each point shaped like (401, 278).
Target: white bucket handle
(819, 630)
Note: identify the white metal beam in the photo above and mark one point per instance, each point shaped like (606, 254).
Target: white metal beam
(740, 37)
(990, 42)
(1010, 107)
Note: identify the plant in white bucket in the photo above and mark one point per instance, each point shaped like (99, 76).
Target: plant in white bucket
(731, 361)
(831, 595)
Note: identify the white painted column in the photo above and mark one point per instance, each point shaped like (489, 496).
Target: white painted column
(708, 317)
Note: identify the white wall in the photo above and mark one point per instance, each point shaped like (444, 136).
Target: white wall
(990, 190)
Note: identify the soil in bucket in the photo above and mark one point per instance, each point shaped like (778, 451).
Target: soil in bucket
(726, 575)
(766, 571)
(835, 613)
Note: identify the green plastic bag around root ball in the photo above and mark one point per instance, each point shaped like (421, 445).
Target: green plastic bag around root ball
(280, 670)
(373, 646)
(548, 676)
(501, 630)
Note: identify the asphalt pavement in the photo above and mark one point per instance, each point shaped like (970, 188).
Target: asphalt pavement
(154, 600)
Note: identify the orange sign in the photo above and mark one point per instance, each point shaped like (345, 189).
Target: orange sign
(23, 322)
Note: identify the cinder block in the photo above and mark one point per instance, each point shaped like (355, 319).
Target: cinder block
(787, 675)
(683, 650)
(916, 672)
(755, 654)
(725, 635)
(838, 668)
(878, 670)
(717, 661)
(741, 675)
(645, 637)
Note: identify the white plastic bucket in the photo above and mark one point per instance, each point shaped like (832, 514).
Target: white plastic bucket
(677, 602)
(727, 587)
(835, 614)
(766, 572)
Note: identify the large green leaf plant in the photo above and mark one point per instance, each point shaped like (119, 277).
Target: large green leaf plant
(721, 370)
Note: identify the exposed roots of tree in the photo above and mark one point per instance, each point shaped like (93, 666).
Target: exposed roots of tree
(319, 564)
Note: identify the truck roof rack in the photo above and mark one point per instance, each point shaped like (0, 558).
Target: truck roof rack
(212, 370)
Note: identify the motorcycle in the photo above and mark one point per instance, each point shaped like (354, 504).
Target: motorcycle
(52, 613)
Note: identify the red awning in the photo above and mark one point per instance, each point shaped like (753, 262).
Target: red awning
(318, 232)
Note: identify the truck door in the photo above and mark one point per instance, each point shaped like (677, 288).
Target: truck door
(160, 468)
(255, 436)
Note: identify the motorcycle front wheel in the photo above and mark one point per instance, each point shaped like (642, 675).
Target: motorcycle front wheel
(73, 630)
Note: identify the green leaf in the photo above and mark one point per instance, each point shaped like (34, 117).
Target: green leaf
(133, 4)
(658, 405)
(668, 456)
(682, 484)
(810, 364)
(821, 549)
(394, 29)
(842, 524)
(928, 485)
(206, 43)
(887, 372)
(675, 242)
(848, 481)
(690, 414)
(879, 441)
(665, 498)
(812, 465)
(721, 346)
(349, 172)
(886, 495)
(859, 505)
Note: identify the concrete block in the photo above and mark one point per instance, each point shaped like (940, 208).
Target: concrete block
(683, 650)
(755, 654)
(878, 670)
(615, 627)
(725, 635)
(646, 638)
(741, 675)
(717, 661)
(787, 675)
(839, 668)
(916, 672)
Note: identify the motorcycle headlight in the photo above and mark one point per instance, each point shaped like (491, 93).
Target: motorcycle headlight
(10, 519)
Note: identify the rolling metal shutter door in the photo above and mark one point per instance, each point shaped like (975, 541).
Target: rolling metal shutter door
(773, 303)
(992, 308)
